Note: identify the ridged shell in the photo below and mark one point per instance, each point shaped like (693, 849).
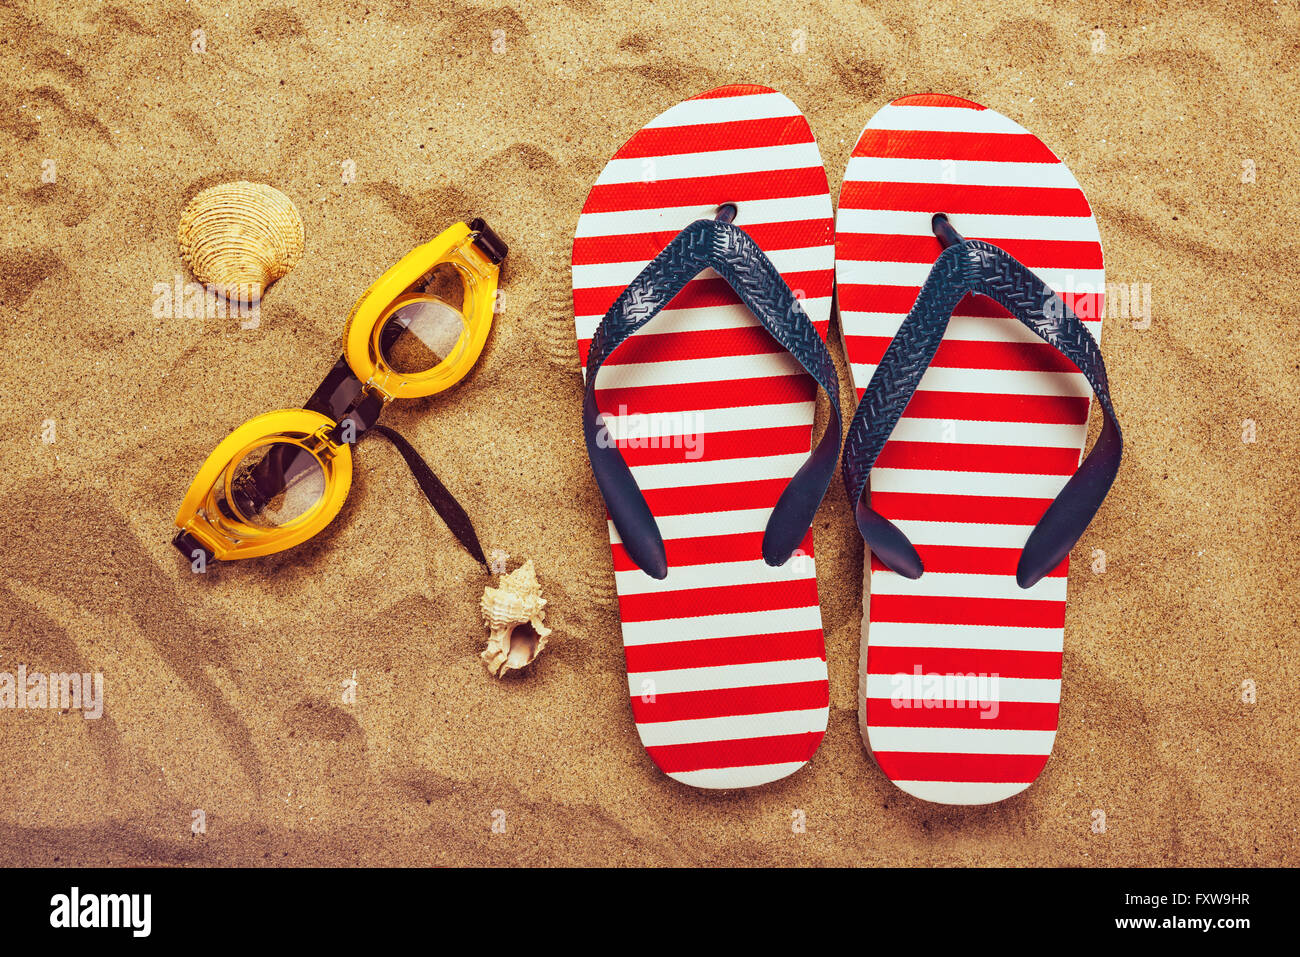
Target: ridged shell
(240, 237)
(517, 600)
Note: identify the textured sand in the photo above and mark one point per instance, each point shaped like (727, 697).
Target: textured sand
(223, 692)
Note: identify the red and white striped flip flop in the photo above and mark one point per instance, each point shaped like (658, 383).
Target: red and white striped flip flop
(960, 668)
(711, 408)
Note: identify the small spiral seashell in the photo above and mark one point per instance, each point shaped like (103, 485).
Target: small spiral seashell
(515, 616)
(240, 237)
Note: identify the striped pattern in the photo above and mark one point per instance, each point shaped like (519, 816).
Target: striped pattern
(993, 433)
(725, 657)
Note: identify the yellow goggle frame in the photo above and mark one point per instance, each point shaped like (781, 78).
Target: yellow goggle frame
(358, 388)
(478, 272)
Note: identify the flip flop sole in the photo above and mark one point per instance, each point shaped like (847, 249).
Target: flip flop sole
(725, 657)
(960, 671)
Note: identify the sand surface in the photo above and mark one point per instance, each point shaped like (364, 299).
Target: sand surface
(223, 692)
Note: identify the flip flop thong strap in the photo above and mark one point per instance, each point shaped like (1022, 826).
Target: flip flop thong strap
(739, 260)
(979, 267)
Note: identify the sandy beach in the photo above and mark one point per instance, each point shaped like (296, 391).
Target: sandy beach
(222, 693)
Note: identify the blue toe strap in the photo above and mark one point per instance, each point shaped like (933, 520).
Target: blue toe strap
(964, 267)
(739, 260)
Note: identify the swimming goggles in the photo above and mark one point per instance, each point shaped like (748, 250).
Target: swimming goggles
(281, 477)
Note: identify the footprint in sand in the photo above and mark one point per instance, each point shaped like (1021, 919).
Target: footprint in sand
(558, 342)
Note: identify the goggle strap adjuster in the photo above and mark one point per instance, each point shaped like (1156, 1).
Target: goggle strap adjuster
(488, 242)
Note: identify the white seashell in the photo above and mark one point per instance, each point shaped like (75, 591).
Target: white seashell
(240, 237)
(515, 602)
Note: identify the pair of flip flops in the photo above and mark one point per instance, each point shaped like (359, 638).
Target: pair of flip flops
(969, 274)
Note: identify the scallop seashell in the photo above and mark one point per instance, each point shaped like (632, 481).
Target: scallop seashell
(516, 602)
(240, 237)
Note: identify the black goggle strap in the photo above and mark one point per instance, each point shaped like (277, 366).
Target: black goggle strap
(443, 502)
(343, 398)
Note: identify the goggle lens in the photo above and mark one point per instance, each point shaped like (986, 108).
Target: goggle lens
(272, 485)
(421, 334)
